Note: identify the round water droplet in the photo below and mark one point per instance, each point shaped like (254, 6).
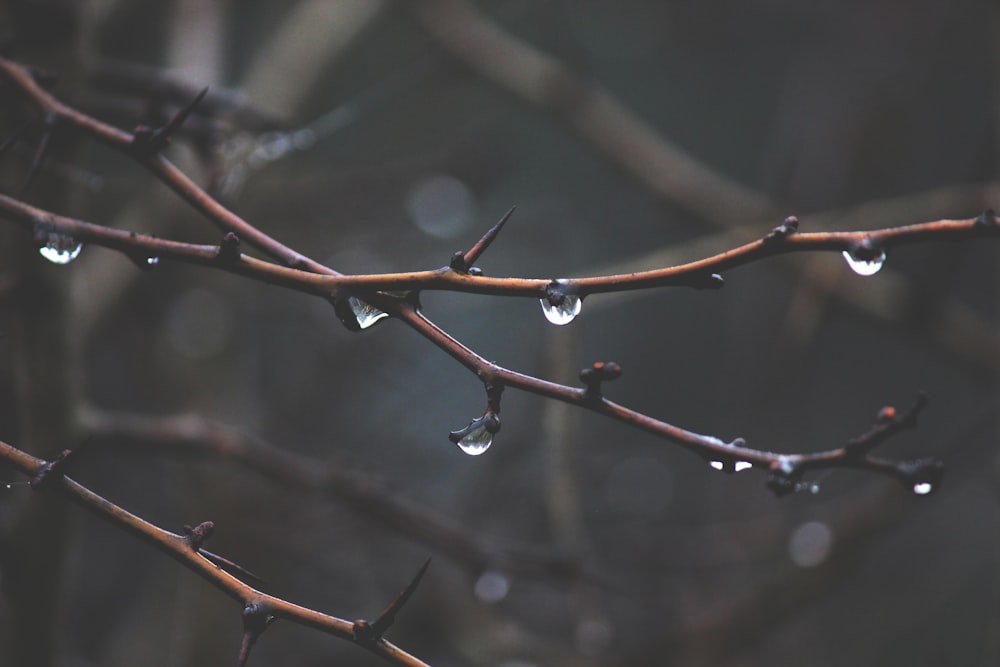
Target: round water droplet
(60, 248)
(716, 465)
(923, 488)
(742, 465)
(565, 312)
(476, 442)
(492, 586)
(865, 267)
(152, 261)
(365, 313)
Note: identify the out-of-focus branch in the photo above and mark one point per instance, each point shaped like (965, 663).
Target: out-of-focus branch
(190, 435)
(589, 109)
(186, 549)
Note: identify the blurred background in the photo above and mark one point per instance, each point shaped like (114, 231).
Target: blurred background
(384, 136)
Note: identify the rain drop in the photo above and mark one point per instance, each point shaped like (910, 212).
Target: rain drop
(743, 465)
(561, 303)
(716, 465)
(565, 312)
(365, 313)
(152, 261)
(60, 248)
(864, 267)
(923, 488)
(477, 437)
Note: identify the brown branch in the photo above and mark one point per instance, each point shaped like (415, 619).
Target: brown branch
(866, 246)
(185, 550)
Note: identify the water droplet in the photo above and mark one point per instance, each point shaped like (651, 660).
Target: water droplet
(477, 437)
(865, 267)
(565, 312)
(717, 465)
(476, 442)
(152, 261)
(365, 313)
(60, 248)
(743, 465)
(8, 486)
(923, 488)
(492, 586)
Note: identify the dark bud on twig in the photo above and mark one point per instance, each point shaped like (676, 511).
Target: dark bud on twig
(457, 262)
(196, 536)
(52, 470)
(229, 248)
(783, 231)
(987, 218)
(600, 372)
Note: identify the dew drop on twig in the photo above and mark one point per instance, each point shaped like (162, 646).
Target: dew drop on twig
(152, 261)
(923, 488)
(716, 465)
(742, 465)
(476, 441)
(365, 313)
(477, 437)
(60, 248)
(867, 266)
(565, 312)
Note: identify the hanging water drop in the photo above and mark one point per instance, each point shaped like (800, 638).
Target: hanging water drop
(152, 261)
(565, 312)
(477, 437)
(60, 248)
(365, 313)
(923, 488)
(742, 465)
(560, 305)
(717, 465)
(867, 265)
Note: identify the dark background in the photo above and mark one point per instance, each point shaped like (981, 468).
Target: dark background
(821, 107)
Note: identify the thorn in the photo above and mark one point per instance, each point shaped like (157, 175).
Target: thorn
(154, 140)
(462, 263)
(366, 633)
(40, 152)
(196, 536)
(230, 567)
